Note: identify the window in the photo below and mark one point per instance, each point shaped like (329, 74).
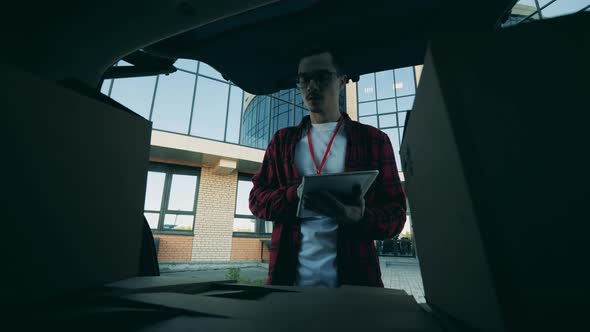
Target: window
(369, 108)
(135, 93)
(234, 115)
(206, 70)
(186, 64)
(173, 102)
(244, 221)
(385, 84)
(366, 87)
(404, 81)
(209, 115)
(171, 198)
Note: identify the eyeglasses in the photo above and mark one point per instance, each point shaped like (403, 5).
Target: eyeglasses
(321, 77)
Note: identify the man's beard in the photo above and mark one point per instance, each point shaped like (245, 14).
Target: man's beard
(315, 109)
(316, 106)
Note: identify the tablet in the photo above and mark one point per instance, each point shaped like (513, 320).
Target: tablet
(338, 183)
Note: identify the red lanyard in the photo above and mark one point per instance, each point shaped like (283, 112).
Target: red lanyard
(315, 163)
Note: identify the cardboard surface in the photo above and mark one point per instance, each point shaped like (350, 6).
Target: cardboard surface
(496, 174)
(343, 308)
(208, 308)
(77, 181)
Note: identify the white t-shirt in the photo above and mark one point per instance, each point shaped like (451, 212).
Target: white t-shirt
(317, 256)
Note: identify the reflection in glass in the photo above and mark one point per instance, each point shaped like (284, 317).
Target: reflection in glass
(104, 88)
(234, 115)
(386, 106)
(407, 230)
(529, 3)
(298, 99)
(369, 108)
(186, 64)
(299, 114)
(178, 222)
(402, 118)
(385, 84)
(405, 103)
(366, 87)
(210, 109)
(182, 192)
(172, 105)
(244, 225)
(205, 69)
(268, 226)
(152, 219)
(562, 7)
(369, 120)
(242, 204)
(255, 128)
(154, 191)
(135, 93)
(389, 120)
(404, 81)
(394, 138)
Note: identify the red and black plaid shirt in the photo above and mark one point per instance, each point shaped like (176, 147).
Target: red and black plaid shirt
(274, 197)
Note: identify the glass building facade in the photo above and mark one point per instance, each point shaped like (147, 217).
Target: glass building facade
(264, 115)
(384, 99)
(530, 10)
(196, 101)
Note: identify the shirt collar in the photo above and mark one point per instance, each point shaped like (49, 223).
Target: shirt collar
(306, 120)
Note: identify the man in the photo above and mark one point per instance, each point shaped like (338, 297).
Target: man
(337, 248)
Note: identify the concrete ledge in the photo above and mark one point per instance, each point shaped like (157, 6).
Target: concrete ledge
(205, 266)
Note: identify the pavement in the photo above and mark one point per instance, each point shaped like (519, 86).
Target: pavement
(403, 273)
(397, 273)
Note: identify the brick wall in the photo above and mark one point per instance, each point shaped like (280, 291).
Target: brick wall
(174, 247)
(247, 248)
(215, 216)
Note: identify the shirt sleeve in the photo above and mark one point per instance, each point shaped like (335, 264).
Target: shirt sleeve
(268, 199)
(386, 217)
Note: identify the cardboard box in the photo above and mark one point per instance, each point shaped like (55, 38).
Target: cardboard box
(75, 173)
(494, 157)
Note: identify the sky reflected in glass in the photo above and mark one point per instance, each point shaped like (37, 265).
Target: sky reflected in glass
(386, 106)
(178, 222)
(366, 87)
(210, 109)
(186, 64)
(404, 81)
(242, 204)
(182, 192)
(154, 191)
(135, 93)
(172, 105)
(385, 84)
(234, 115)
(244, 225)
(368, 108)
(205, 69)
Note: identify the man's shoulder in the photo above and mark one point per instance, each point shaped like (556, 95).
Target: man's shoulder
(286, 135)
(286, 131)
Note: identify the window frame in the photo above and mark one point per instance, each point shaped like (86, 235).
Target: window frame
(169, 171)
(259, 226)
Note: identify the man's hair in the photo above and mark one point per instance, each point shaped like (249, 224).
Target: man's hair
(314, 50)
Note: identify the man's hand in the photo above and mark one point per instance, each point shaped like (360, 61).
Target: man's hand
(346, 209)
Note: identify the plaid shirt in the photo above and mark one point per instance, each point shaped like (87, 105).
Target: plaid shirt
(274, 197)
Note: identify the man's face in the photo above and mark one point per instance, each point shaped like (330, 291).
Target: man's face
(320, 84)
